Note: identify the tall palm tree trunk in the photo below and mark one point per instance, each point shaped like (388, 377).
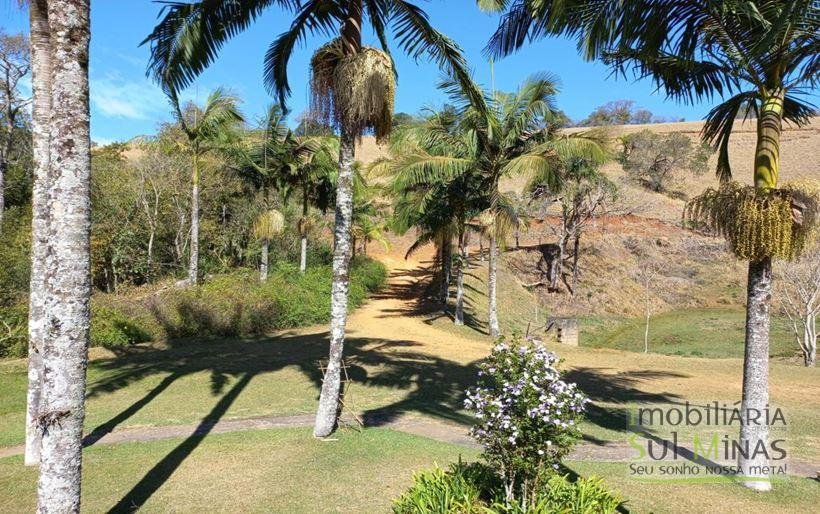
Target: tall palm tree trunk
(193, 264)
(303, 230)
(446, 270)
(755, 397)
(328, 412)
(263, 262)
(327, 415)
(462, 263)
(41, 113)
(495, 331)
(65, 352)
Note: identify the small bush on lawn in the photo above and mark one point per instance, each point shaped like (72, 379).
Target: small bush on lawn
(475, 488)
(527, 422)
(527, 416)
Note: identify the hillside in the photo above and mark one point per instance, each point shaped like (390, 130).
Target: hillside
(695, 271)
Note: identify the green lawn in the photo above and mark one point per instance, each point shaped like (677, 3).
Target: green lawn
(287, 470)
(240, 378)
(702, 332)
(283, 470)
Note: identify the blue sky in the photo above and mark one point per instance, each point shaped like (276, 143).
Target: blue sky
(125, 103)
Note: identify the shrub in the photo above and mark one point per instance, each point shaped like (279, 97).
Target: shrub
(112, 329)
(457, 490)
(239, 305)
(475, 488)
(527, 415)
(559, 494)
(13, 331)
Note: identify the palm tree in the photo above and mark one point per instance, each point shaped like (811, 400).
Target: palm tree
(267, 225)
(435, 193)
(351, 84)
(368, 212)
(298, 164)
(206, 131)
(515, 133)
(760, 56)
(517, 208)
(60, 38)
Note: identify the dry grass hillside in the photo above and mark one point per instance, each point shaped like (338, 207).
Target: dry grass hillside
(695, 271)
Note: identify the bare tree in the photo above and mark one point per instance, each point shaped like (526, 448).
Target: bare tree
(647, 273)
(14, 65)
(799, 288)
(583, 196)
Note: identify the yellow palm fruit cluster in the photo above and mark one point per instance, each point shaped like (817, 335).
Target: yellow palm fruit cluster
(777, 223)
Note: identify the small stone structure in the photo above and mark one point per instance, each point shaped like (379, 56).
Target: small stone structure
(566, 330)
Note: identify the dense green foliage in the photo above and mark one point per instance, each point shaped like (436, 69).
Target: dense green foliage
(236, 304)
(475, 488)
(233, 304)
(110, 328)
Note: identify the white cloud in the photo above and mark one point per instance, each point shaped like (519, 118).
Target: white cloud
(116, 97)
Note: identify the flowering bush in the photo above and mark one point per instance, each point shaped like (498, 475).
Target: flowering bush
(527, 416)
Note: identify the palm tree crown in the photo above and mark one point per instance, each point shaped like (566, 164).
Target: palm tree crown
(190, 35)
(764, 55)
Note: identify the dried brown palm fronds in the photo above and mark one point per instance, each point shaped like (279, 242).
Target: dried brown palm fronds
(357, 91)
(305, 225)
(268, 225)
(778, 223)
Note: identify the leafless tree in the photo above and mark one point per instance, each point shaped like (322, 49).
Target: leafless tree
(14, 65)
(799, 288)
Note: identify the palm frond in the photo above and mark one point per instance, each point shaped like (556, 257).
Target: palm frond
(719, 123)
(189, 35)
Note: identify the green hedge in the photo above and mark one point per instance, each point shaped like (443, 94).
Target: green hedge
(239, 305)
(236, 304)
(110, 328)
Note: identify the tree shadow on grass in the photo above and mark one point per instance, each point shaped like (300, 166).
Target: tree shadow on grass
(612, 395)
(435, 386)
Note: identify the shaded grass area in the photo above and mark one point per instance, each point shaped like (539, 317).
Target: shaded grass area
(282, 470)
(517, 307)
(183, 382)
(701, 332)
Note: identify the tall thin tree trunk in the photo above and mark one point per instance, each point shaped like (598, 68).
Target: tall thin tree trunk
(756, 374)
(756, 358)
(40, 220)
(495, 331)
(576, 250)
(3, 169)
(193, 264)
(303, 230)
(446, 268)
(327, 415)
(263, 263)
(65, 351)
(462, 263)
